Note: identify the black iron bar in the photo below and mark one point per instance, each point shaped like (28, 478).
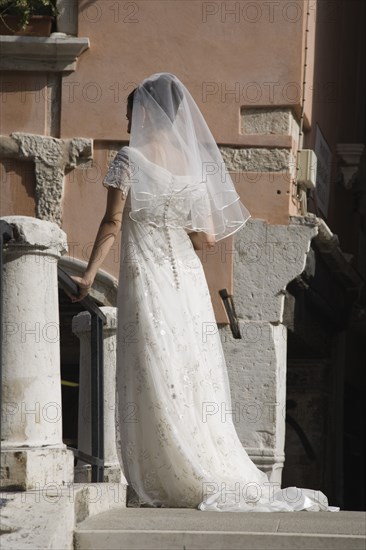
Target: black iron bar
(98, 319)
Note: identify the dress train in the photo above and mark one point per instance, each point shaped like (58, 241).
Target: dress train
(171, 374)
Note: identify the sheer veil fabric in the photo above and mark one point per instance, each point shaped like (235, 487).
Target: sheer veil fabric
(169, 131)
(171, 368)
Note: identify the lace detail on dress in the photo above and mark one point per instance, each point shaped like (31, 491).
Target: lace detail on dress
(119, 173)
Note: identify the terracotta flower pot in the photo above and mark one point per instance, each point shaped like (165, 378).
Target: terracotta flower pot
(38, 25)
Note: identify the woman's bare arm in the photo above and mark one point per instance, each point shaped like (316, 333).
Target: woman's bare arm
(201, 240)
(108, 230)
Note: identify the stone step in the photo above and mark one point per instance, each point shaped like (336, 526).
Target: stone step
(190, 529)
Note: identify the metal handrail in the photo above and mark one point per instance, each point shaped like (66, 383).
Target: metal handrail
(98, 319)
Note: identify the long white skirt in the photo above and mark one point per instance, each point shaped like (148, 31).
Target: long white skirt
(170, 370)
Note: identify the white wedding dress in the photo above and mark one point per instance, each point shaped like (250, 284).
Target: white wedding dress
(170, 370)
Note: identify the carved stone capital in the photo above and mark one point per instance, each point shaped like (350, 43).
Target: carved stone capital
(51, 157)
(349, 155)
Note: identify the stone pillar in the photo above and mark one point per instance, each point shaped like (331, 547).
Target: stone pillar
(33, 454)
(81, 326)
(266, 258)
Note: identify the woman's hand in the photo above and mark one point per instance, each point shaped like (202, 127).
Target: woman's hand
(84, 285)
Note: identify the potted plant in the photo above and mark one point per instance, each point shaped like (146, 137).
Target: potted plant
(27, 17)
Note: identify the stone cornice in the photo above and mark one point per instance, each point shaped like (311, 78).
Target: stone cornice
(57, 53)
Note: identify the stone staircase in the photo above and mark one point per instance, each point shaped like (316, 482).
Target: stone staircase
(190, 529)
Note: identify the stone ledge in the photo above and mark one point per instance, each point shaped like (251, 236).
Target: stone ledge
(57, 53)
(27, 468)
(172, 528)
(259, 140)
(46, 518)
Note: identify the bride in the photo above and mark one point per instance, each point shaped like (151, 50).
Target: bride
(171, 194)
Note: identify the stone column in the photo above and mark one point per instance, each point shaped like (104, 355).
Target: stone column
(81, 326)
(266, 258)
(33, 454)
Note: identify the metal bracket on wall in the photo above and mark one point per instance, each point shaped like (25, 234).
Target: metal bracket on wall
(230, 310)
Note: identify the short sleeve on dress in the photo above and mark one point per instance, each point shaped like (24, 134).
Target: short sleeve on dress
(119, 173)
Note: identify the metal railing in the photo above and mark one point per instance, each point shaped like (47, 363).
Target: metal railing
(98, 319)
